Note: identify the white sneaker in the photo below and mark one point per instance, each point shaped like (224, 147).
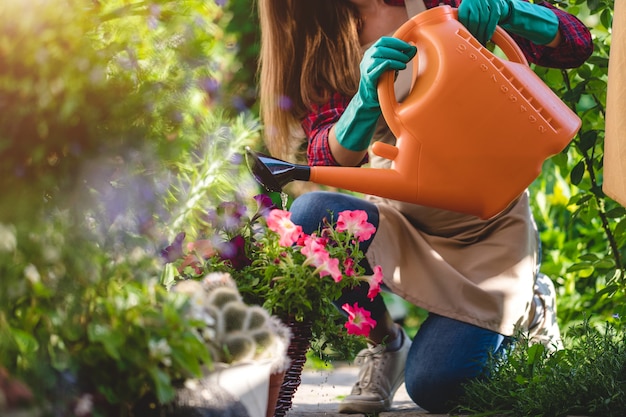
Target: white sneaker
(545, 328)
(380, 375)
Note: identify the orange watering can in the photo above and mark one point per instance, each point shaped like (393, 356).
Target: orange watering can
(472, 133)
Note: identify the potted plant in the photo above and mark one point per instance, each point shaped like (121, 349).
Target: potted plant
(246, 346)
(293, 275)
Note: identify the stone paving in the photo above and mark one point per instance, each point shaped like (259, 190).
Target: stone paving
(321, 390)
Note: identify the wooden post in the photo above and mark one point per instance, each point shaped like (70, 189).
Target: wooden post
(615, 134)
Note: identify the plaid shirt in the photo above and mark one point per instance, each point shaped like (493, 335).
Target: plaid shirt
(575, 47)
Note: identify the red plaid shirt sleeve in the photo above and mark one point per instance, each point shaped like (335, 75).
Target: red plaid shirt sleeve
(575, 47)
(317, 126)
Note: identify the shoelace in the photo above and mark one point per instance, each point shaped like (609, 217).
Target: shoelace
(366, 361)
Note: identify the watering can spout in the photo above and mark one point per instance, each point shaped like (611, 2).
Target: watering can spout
(273, 173)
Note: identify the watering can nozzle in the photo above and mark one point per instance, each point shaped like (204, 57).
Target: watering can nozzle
(274, 173)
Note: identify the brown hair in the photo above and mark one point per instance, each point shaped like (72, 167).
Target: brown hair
(309, 48)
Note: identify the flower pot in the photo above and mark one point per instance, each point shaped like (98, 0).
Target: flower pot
(276, 381)
(247, 382)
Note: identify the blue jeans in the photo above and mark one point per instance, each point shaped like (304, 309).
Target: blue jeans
(445, 352)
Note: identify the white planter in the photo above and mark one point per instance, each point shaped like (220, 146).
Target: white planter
(247, 382)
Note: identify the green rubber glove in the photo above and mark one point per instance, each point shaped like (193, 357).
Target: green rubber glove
(355, 127)
(536, 23)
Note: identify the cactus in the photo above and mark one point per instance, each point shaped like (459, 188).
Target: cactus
(235, 331)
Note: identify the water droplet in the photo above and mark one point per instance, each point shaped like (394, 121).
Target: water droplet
(284, 198)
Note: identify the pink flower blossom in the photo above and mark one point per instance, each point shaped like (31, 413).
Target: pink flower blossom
(348, 267)
(280, 222)
(314, 248)
(330, 266)
(375, 281)
(198, 251)
(355, 222)
(360, 321)
(202, 247)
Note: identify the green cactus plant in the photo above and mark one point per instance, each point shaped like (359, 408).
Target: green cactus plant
(233, 330)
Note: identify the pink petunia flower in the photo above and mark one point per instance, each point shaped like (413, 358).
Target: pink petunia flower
(198, 252)
(202, 247)
(355, 222)
(330, 266)
(360, 321)
(375, 281)
(348, 267)
(280, 222)
(314, 248)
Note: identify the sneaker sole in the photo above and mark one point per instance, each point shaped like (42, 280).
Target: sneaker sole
(364, 407)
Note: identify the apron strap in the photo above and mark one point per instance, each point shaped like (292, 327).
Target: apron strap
(414, 7)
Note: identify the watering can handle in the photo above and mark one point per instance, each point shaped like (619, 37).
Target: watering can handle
(409, 33)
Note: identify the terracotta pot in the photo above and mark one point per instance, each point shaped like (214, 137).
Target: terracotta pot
(276, 381)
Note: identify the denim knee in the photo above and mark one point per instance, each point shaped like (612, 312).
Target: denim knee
(435, 391)
(309, 210)
(446, 354)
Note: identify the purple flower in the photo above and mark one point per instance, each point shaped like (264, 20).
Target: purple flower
(264, 204)
(210, 85)
(175, 250)
(234, 251)
(231, 215)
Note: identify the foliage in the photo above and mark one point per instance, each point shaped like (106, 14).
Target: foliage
(245, 28)
(84, 78)
(101, 320)
(585, 379)
(110, 107)
(582, 230)
(293, 275)
(105, 104)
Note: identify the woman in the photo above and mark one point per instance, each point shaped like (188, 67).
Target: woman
(320, 64)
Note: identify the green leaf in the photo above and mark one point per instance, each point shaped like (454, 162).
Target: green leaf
(616, 213)
(110, 339)
(163, 388)
(605, 263)
(187, 360)
(588, 140)
(580, 266)
(26, 343)
(168, 277)
(606, 18)
(577, 173)
(535, 354)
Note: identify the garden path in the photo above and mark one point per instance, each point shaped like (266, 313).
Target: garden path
(321, 390)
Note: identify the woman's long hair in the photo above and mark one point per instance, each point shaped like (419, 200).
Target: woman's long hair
(309, 49)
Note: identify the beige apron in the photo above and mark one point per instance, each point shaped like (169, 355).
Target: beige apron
(459, 266)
